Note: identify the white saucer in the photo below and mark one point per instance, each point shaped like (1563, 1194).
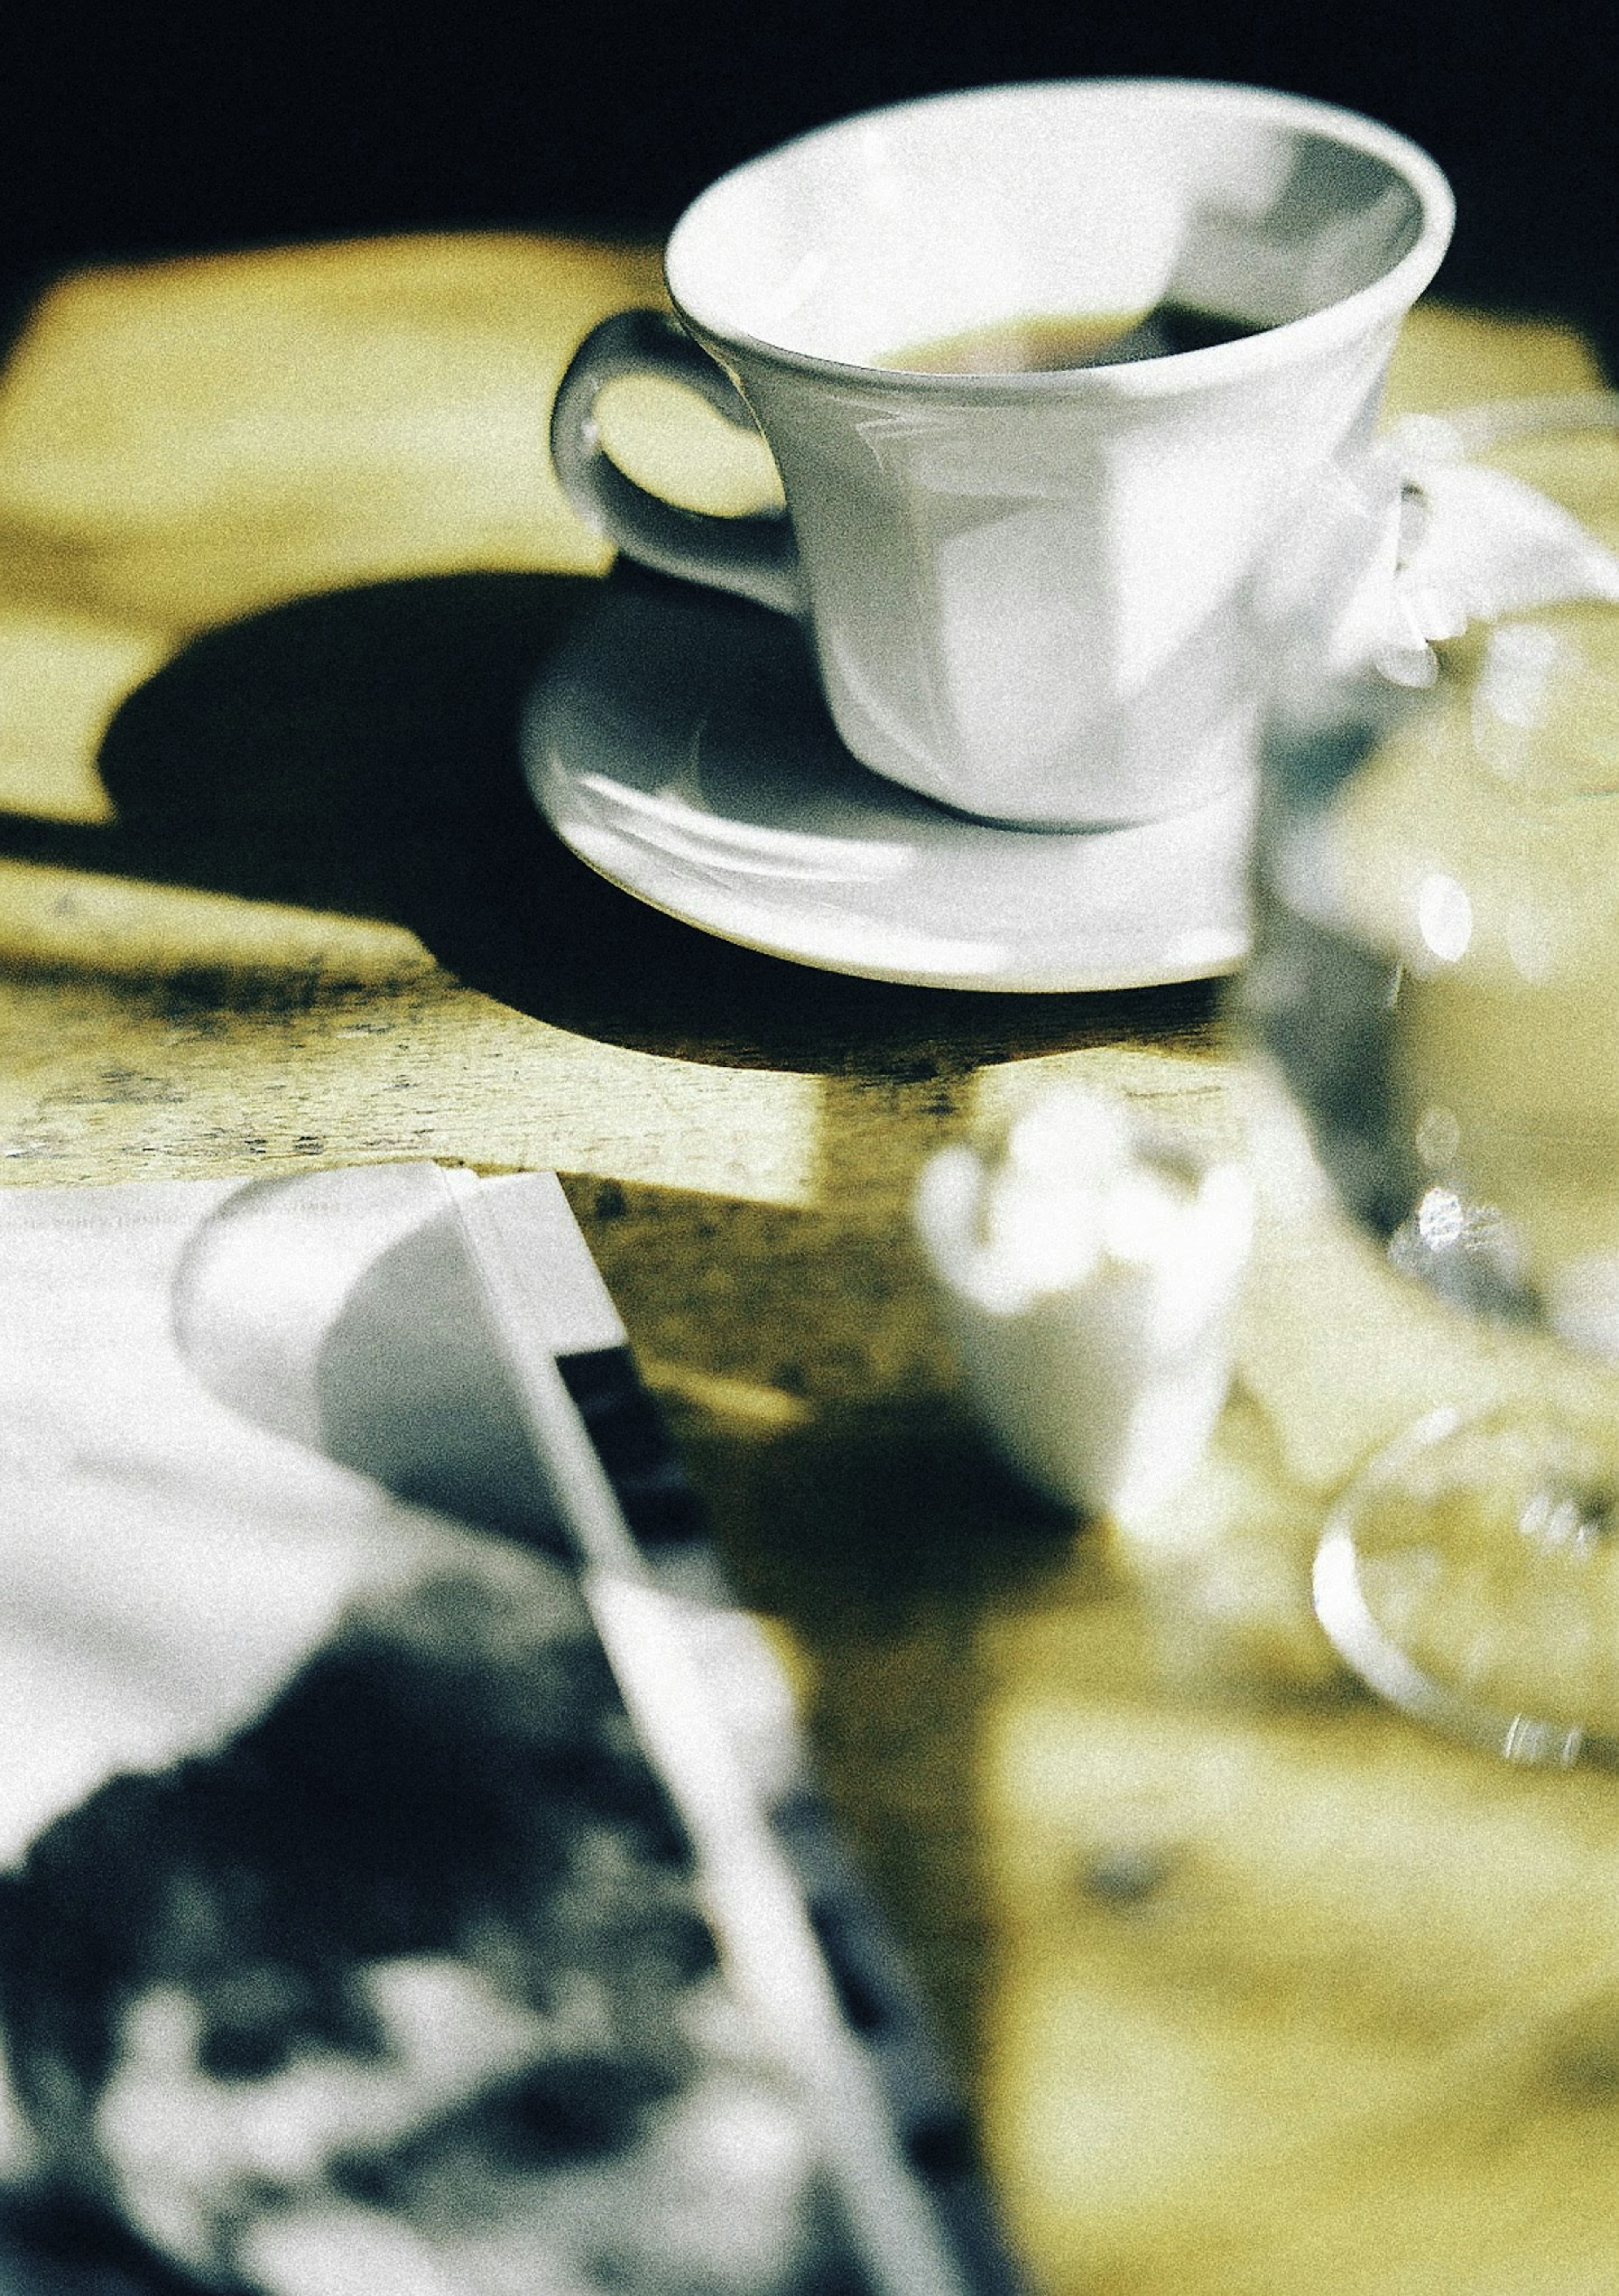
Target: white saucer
(678, 744)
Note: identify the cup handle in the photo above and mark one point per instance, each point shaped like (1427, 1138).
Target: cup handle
(755, 556)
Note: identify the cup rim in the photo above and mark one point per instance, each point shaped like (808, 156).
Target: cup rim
(1388, 296)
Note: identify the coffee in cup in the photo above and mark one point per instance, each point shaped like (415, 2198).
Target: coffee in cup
(1047, 344)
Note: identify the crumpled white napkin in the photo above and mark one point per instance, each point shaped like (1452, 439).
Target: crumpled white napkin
(1482, 545)
(1087, 1269)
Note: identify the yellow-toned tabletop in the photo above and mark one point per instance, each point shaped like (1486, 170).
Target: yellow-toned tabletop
(1254, 1987)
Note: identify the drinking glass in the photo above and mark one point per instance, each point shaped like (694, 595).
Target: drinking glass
(1436, 979)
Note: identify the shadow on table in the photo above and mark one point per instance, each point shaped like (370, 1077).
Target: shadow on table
(358, 752)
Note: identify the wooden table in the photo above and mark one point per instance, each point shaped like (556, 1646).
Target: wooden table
(1256, 1987)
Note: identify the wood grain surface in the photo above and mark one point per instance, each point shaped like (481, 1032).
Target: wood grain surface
(1256, 1987)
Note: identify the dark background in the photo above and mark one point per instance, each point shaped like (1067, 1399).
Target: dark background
(143, 130)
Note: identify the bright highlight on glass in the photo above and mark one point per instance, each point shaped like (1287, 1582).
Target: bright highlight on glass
(1437, 978)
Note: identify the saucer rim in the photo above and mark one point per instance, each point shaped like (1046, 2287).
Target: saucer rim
(550, 780)
(1091, 979)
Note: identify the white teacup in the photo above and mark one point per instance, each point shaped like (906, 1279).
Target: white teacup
(1029, 592)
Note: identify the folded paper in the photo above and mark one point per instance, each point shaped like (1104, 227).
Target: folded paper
(398, 1883)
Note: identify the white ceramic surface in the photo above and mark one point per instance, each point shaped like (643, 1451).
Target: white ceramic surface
(1030, 594)
(1088, 1271)
(680, 744)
